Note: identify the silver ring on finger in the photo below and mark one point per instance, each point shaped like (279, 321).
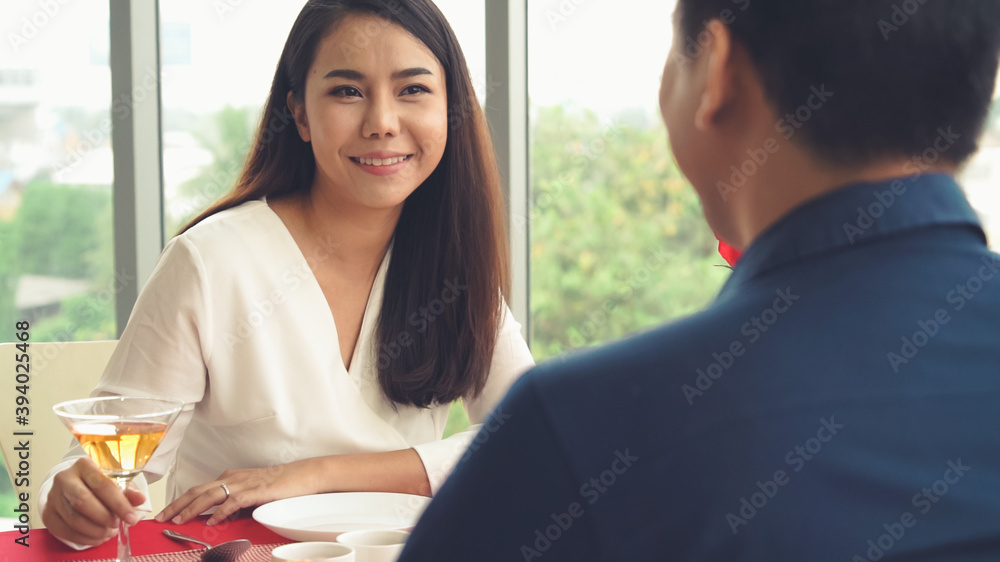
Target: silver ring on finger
(225, 489)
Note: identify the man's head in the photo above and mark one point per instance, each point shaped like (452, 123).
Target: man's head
(848, 84)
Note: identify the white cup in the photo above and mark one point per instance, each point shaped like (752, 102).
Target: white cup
(313, 552)
(375, 546)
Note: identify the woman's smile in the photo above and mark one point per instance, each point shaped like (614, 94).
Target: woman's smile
(381, 163)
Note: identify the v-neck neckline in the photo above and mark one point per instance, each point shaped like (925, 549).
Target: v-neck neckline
(354, 371)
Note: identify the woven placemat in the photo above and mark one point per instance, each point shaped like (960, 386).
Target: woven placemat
(259, 553)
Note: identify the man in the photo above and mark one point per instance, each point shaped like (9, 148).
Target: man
(839, 399)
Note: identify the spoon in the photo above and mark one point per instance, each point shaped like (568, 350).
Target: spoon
(225, 552)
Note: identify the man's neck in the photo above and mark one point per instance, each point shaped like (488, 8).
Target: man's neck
(779, 189)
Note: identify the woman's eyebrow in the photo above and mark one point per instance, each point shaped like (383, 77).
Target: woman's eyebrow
(399, 74)
(410, 73)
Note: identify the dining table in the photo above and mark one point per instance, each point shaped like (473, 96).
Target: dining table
(148, 543)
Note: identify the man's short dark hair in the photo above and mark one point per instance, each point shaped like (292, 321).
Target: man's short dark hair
(901, 72)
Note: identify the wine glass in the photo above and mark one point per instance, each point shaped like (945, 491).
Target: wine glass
(120, 434)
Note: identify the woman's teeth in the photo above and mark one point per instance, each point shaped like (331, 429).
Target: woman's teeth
(381, 161)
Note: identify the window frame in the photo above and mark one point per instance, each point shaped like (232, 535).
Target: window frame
(137, 134)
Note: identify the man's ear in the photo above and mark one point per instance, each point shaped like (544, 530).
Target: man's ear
(298, 110)
(719, 83)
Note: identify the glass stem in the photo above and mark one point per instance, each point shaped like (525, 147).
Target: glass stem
(124, 546)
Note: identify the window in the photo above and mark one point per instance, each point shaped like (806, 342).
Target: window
(218, 61)
(617, 238)
(56, 260)
(468, 20)
(981, 176)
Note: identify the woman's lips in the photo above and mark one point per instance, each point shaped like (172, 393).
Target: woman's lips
(382, 166)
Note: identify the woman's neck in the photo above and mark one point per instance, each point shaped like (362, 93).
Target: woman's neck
(356, 236)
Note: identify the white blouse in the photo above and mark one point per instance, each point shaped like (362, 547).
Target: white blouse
(233, 322)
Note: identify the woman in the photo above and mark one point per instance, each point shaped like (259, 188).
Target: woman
(319, 319)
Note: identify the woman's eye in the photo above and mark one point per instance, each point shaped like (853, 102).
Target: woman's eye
(414, 90)
(346, 92)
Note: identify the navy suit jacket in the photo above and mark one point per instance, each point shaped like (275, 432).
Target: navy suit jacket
(840, 400)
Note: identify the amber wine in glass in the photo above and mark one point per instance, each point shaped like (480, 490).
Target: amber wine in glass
(120, 434)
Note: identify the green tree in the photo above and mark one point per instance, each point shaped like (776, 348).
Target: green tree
(60, 229)
(458, 420)
(65, 231)
(618, 241)
(9, 272)
(226, 136)
(89, 317)
(8, 498)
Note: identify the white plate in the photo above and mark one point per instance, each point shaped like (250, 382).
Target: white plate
(322, 517)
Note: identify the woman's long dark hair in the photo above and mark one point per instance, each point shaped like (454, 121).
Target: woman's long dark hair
(443, 301)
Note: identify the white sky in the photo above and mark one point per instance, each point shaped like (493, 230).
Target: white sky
(592, 53)
(233, 54)
(574, 46)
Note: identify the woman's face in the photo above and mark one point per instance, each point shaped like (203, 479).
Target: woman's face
(375, 110)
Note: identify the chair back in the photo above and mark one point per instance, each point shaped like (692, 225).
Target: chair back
(57, 372)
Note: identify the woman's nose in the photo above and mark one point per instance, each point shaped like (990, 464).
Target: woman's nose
(381, 118)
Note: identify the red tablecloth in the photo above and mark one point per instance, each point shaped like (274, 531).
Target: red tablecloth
(147, 538)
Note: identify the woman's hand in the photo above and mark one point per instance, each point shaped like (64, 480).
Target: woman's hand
(243, 488)
(84, 505)
(392, 471)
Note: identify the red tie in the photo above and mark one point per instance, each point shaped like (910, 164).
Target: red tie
(728, 253)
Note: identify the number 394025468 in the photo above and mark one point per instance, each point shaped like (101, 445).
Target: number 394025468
(22, 373)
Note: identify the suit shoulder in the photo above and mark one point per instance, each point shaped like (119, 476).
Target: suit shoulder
(672, 343)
